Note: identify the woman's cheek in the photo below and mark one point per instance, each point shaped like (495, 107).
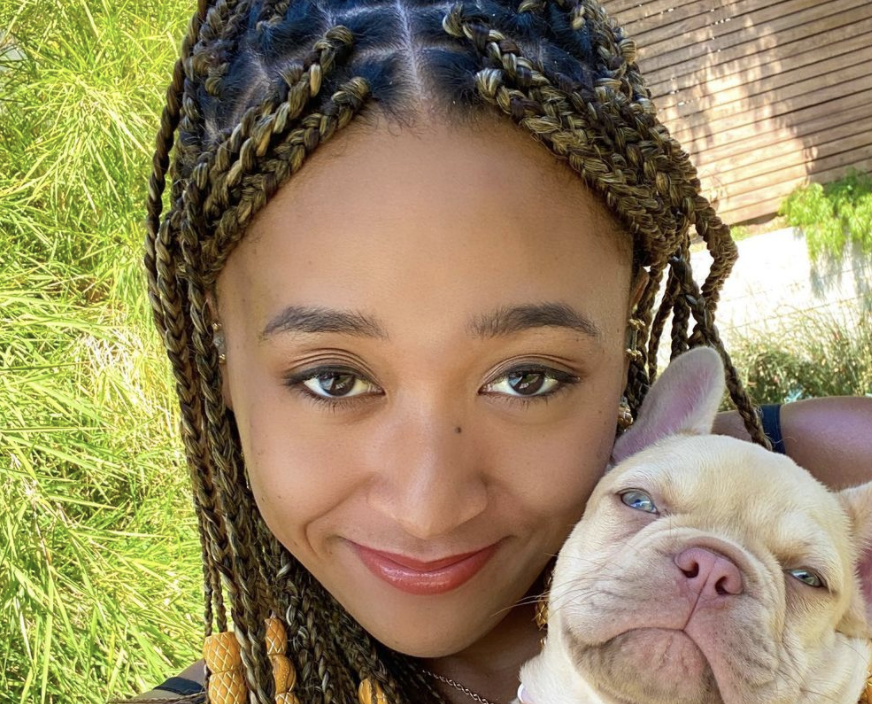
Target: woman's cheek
(298, 468)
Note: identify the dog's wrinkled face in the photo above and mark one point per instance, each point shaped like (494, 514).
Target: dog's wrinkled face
(707, 570)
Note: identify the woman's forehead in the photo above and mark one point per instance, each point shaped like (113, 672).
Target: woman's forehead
(390, 174)
(431, 220)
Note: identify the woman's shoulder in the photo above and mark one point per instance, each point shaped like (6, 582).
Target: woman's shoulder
(188, 681)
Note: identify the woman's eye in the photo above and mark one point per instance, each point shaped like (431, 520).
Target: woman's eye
(531, 382)
(639, 500)
(327, 384)
(807, 576)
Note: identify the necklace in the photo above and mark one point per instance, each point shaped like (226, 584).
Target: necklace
(459, 687)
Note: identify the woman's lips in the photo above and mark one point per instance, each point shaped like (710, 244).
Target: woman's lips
(417, 577)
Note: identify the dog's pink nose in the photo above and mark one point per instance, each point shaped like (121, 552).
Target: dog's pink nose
(708, 573)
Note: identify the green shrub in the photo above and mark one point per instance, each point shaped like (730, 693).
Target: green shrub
(821, 355)
(833, 217)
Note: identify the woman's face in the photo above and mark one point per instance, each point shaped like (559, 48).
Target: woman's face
(425, 338)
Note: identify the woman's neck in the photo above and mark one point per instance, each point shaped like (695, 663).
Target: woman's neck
(490, 666)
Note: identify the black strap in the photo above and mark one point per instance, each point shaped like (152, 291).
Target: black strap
(179, 685)
(770, 417)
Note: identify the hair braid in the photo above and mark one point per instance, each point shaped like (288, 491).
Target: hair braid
(706, 333)
(250, 140)
(203, 494)
(246, 581)
(169, 121)
(680, 308)
(172, 303)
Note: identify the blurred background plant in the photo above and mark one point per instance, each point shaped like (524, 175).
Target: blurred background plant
(835, 217)
(820, 354)
(99, 556)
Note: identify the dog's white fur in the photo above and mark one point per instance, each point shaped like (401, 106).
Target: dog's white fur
(624, 626)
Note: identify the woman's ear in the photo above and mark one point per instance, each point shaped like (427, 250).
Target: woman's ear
(219, 340)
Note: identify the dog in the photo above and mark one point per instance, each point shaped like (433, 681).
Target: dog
(707, 570)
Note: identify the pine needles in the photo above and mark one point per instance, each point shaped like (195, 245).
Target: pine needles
(99, 555)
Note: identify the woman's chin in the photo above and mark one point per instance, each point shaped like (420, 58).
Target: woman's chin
(438, 636)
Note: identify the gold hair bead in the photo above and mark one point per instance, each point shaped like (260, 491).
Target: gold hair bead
(227, 679)
(283, 671)
(371, 692)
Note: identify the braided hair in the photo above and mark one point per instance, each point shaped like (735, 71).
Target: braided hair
(259, 85)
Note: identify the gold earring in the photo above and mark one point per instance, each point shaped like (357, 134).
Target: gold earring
(634, 327)
(625, 414)
(218, 341)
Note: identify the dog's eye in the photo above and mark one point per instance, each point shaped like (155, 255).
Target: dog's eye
(809, 577)
(638, 500)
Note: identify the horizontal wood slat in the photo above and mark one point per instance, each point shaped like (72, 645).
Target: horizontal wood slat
(696, 127)
(800, 84)
(766, 95)
(755, 176)
(750, 206)
(726, 138)
(757, 151)
(830, 41)
(691, 23)
(759, 78)
(790, 28)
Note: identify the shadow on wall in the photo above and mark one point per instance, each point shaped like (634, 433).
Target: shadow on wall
(828, 272)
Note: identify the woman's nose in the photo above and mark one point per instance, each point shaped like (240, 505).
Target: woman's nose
(428, 479)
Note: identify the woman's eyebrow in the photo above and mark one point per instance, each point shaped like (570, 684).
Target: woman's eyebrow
(511, 319)
(313, 319)
(506, 320)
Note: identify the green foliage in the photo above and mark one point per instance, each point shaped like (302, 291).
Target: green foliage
(739, 232)
(100, 575)
(833, 217)
(820, 355)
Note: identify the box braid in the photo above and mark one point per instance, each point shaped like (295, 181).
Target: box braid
(259, 85)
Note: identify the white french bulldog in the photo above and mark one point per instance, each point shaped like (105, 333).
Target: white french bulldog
(707, 570)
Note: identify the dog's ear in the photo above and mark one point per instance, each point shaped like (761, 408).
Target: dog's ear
(683, 400)
(857, 502)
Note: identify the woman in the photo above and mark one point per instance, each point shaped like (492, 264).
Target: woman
(401, 369)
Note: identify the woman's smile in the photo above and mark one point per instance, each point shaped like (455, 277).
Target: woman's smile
(430, 577)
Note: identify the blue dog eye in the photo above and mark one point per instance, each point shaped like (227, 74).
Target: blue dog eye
(638, 500)
(808, 577)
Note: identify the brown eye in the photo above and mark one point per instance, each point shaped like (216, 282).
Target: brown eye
(526, 383)
(326, 383)
(335, 384)
(530, 383)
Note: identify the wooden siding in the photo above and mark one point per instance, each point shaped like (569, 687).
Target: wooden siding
(766, 95)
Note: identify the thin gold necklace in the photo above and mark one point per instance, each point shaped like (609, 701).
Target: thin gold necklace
(459, 687)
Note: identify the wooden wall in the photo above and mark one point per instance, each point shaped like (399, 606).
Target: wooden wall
(765, 94)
